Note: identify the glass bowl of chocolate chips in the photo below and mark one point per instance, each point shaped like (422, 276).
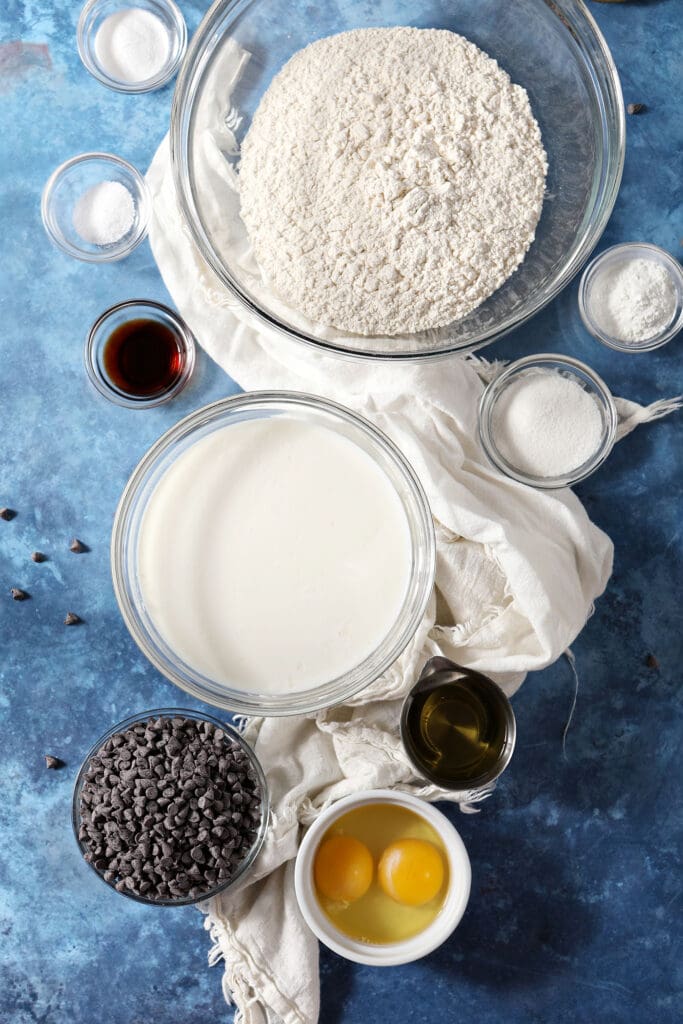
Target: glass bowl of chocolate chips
(170, 807)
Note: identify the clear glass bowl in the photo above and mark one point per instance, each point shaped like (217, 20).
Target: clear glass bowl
(572, 369)
(96, 11)
(144, 716)
(620, 254)
(161, 456)
(69, 182)
(551, 47)
(101, 331)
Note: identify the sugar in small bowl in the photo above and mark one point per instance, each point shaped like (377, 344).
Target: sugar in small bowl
(132, 45)
(547, 421)
(631, 297)
(95, 207)
(382, 878)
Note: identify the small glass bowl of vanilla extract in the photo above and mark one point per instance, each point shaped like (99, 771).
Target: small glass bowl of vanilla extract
(139, 354)
(458, 729)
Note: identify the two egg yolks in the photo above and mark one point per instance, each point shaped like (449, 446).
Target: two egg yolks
(410, 871)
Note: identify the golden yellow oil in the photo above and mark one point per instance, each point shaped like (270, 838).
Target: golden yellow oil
(457, 732)
(376, 917)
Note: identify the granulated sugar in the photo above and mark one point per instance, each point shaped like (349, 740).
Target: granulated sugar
(391, 180)
(104, 214)
(546, 425)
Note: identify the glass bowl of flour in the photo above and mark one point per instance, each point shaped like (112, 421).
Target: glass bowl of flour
(273, 553)
(396, 181)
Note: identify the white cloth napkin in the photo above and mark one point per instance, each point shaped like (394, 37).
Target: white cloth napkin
(517, 573)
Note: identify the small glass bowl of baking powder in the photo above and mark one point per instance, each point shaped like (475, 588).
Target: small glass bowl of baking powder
(96, 207)
(547, 421)
(631, 297)
(132, 45)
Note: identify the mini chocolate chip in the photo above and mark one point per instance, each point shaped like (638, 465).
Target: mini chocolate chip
(53, 762)
(636, 108)
(77, 546)
(18, 594)
(71, 619)
(7, 514)
(651, 661)
(38, 556)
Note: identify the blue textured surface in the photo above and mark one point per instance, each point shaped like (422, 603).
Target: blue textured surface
(576, 903)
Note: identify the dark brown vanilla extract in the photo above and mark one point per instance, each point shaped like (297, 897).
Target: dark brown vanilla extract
(143, 357)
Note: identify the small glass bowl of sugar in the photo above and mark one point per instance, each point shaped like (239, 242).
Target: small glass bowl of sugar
(631, 297)
(96, 207)
(547, 421)
(132, 45)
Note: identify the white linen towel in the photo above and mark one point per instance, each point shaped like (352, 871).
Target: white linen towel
(517, 573)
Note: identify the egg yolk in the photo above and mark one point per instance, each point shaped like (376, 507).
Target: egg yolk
(343, 869)
(411, 871)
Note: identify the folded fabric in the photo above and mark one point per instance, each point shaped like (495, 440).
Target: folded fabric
(517, 573)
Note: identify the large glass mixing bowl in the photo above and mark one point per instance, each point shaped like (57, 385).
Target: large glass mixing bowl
(551, 47)
(163, 454)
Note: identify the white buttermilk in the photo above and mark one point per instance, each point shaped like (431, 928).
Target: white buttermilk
(274, 555)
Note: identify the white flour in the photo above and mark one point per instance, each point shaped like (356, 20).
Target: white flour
(391, 180)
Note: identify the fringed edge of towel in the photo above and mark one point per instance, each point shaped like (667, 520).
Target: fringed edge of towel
(632, 415)
(238, 990)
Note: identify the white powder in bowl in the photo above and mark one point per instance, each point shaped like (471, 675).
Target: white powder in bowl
(391, 179)
(104, 214)
(633, 300)
(545, 424)
(132, 45)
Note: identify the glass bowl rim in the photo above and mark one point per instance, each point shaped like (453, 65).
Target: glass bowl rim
(577, 369)
(175, 712)
(149, 85)
(101, 385)
(141, 194)
(336, 690)
(613, 118)
(651, 252)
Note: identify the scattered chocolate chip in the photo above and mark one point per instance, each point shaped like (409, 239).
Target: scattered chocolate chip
(38, 556)
(18, 594)
(636, 108)
(53, 762)
(7, 514)
(651, 661)
(72, 619)
(77, 546)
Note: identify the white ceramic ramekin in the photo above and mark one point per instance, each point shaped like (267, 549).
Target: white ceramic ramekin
(394, 953)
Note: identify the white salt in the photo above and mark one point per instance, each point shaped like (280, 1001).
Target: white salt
(633, 300)
(132, 45)
(104, 214)
(546, 425)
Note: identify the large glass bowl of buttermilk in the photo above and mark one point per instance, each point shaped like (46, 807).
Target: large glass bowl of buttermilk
(273, 553)
(381, 195)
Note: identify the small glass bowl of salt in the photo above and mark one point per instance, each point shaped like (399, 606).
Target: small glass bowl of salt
(631, 297)
(96, 207)
(131, 45)
(547, 421)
